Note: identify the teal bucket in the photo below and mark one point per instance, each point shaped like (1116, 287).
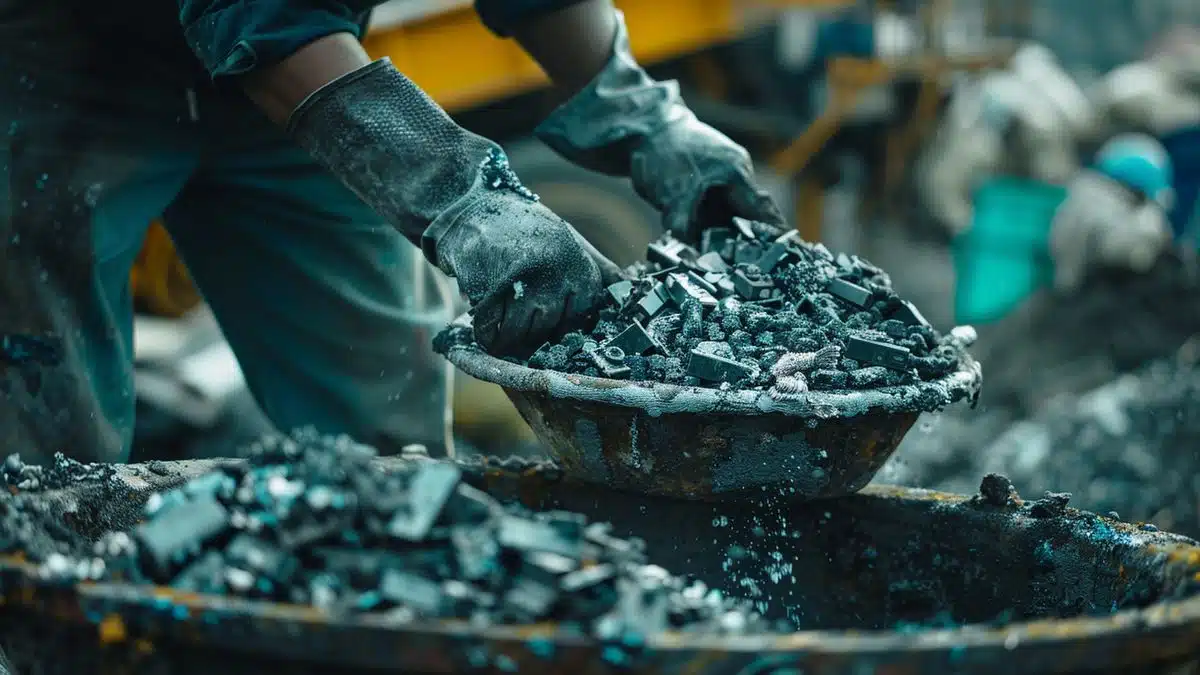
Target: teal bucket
(1005, 256)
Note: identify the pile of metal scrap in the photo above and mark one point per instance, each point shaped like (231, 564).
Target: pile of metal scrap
(309, 520)
(863, 578)
(754, 310)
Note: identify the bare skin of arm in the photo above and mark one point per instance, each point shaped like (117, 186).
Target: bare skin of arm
(281, 88)
(571, 45)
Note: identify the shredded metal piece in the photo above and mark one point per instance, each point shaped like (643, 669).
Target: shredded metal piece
(789, 385)
(793, 363)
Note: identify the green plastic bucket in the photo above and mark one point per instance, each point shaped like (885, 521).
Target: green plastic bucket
(1005, 256)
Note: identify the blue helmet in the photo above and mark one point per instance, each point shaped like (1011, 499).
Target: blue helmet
(1139, 162)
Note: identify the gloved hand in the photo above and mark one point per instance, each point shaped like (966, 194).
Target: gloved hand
(1101, 225)
(526, 272)
(624, 123)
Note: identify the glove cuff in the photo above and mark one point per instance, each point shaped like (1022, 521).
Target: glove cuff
(382, 136)
(601, 126)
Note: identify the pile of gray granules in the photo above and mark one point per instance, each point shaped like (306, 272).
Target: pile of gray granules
(751, 309)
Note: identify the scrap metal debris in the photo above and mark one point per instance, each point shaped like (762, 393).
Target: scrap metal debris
(309, 520)
(997, 490)
(431, 548)
(1107, 409)
(63, 473)
(1126, 447)
(729, 313)
(31, 527)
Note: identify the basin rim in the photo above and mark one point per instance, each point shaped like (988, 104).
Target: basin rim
(657, 398)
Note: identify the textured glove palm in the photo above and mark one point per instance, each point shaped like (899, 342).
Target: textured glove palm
(526, 272)
(624, 123)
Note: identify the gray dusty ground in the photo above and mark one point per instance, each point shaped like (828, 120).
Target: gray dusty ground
(1095, 395)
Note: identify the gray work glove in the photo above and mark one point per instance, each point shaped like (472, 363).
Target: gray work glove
(624, 123)
(525, 271)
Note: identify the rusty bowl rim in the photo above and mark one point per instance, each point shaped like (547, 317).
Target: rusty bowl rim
(1099, 639)
(657, 398)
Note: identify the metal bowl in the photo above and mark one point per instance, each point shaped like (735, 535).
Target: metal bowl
(710, 444)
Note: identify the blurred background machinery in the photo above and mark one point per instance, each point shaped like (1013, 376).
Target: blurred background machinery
(935, 137)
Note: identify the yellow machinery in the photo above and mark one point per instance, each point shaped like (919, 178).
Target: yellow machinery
(161, 283)
(443, 47)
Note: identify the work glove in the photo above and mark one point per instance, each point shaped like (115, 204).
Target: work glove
(624, 123)
(526, 273)
(1101, 224)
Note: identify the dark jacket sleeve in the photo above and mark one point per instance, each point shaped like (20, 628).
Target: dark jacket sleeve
(502, 16)
(232, 37)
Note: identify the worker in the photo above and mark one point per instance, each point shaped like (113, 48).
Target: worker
(1115, 212)
(1160, 95)
(290, 169)
(1027, 118)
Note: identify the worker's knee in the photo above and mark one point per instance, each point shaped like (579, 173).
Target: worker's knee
(381, 383)
(388, 399)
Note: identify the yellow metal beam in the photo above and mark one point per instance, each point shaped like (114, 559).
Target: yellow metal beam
(461, 65)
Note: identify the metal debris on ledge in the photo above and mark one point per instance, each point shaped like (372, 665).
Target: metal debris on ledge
(63, 473)
(891, 579)
(310, 521)
(765, 297)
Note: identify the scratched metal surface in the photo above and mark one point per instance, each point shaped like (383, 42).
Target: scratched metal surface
(860, 567)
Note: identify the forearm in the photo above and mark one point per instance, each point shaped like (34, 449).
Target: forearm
(280, 89)
(619, 120)
(571, 45)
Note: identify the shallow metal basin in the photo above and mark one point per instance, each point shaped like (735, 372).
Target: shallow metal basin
(700, 443)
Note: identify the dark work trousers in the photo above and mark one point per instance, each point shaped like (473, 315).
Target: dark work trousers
(315, 293)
